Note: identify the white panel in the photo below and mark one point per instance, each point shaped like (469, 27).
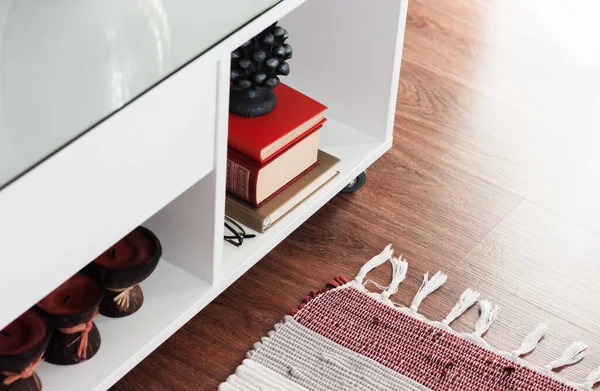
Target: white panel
(218, 212)
(191, 227)
(61, 215)
(345, 56)
(395, 79)
(185, 229)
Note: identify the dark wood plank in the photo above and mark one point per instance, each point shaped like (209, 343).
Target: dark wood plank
(492, 179)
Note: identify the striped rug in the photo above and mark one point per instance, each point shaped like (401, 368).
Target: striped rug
(344, 337)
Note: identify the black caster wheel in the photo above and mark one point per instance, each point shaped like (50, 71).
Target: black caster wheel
(356, 183)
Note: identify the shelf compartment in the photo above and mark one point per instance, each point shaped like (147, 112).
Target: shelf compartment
(355, 149)
(172, 296)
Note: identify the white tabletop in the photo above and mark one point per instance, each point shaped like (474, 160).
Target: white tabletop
(67, 64)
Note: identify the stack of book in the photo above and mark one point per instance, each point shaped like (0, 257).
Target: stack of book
(274, 161)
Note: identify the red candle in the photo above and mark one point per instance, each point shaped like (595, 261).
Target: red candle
(76, 295)
(23, 334)
(133, 250)
(122, 268)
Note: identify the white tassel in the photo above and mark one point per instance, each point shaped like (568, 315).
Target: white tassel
(531, 341)
(427, 287)
(488, 312)
(377, 285)
(376, 261)
(399, 269)
(466, 301)
(572, 355)
(592, 378)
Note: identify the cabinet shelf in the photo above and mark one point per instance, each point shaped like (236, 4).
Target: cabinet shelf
(355, 149)
(171, 297)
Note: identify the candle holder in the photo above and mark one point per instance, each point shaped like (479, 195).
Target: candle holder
(70, 310)
(22, 346)
(122, 267)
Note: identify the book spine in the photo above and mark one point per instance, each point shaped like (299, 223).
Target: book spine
(241, 179)
(250, 151)
(241, 215)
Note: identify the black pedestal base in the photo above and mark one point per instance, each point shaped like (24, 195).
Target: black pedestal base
(31, 383)
(251, 102)
(62, 349)
(109, 307)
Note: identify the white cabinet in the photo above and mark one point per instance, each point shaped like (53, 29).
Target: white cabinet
(160, 161)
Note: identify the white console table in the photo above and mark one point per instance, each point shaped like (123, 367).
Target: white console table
(114, 114)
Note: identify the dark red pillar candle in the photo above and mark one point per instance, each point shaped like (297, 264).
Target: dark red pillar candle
(135, 249)
(122, 267)
(76, 295)
(22, 344)
(70, 309)
(23, 334)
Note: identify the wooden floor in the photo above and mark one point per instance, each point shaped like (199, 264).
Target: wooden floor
(494, 178)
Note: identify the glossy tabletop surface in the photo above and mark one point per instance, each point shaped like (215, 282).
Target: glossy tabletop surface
(65, 65)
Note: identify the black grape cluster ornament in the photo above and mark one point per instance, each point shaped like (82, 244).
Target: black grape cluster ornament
(254, 69)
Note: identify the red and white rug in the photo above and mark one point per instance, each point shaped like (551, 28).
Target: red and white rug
(344, 337)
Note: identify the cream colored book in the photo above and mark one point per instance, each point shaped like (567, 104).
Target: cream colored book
(262, 218)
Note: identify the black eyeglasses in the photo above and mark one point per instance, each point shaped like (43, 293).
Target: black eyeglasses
(237, 239)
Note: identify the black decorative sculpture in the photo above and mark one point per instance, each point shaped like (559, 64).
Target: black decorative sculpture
(254, 69)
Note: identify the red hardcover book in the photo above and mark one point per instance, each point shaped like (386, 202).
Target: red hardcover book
(262, 138)
(257, 183)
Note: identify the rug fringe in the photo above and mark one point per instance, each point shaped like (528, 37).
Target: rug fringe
(488, 313)
(399, 269)
(531, 341)
(466, 301)
(270, 334)
(427, 287)
(374, 262)
(337, 281)
(592, 379)
(572, 355)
